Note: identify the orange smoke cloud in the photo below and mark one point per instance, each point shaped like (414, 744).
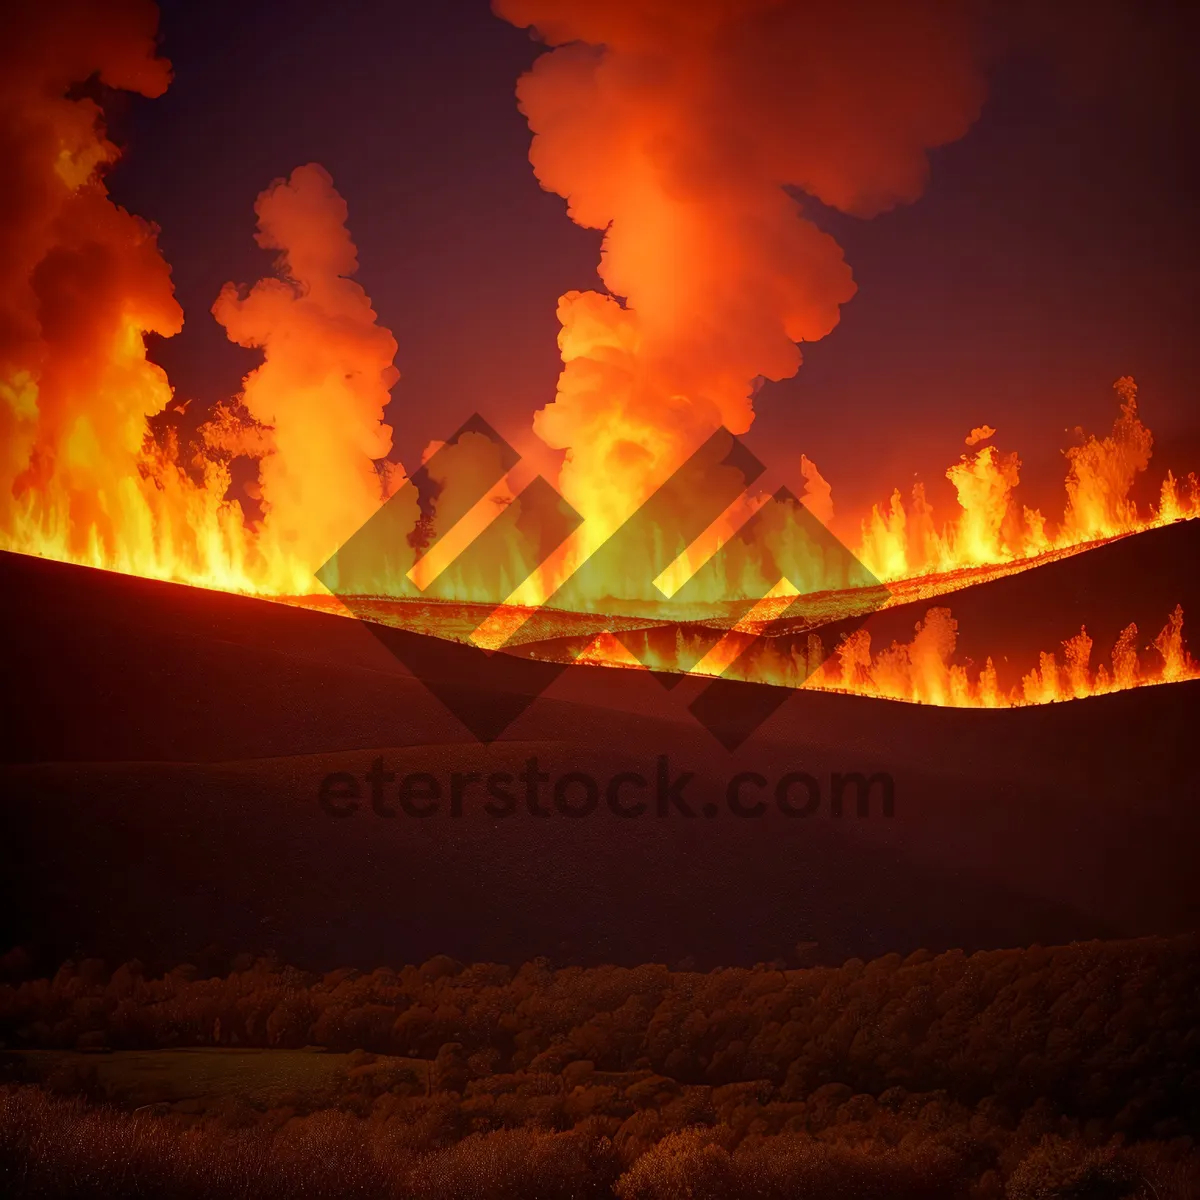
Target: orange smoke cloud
(679, 130)
(325, 379)
(82, 475)
(81, 282)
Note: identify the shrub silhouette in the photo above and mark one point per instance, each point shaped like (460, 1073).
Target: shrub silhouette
(1046, 1073)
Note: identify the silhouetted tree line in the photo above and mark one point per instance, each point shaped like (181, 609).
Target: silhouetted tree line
(1028, 1074)
(1105, 1030)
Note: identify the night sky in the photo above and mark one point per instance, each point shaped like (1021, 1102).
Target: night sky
(1055, 247)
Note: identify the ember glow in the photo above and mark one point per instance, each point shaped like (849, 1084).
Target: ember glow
(714, 274)
(922, 670)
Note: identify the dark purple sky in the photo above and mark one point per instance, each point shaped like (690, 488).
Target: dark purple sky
(1054, 250)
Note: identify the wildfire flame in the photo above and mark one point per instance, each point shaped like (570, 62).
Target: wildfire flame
(95, 467)
(922, 671)
(903, 540)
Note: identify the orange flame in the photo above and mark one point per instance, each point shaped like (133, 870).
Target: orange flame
(922, 670)
(900, 541)
(93, 471)
(81, 476)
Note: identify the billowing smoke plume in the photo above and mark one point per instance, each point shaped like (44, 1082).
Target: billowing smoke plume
(325, 378)
(81, 282)
(684, 130)
(680, 130)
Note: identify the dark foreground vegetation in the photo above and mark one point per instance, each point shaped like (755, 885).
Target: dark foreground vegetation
(1070, 1073)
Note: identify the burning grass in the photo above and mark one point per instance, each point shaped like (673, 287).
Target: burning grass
(98, 469)
(795, 653)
